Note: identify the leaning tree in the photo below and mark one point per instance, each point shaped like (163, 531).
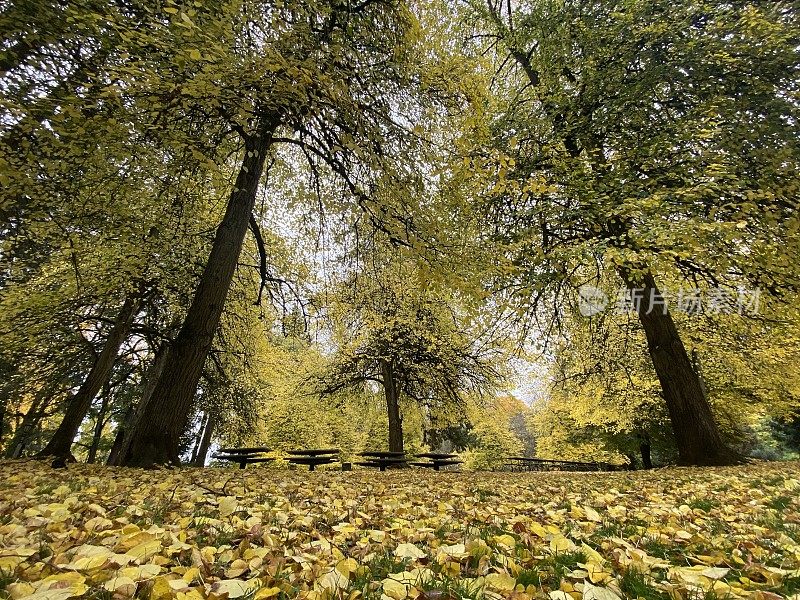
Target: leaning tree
(333, 80)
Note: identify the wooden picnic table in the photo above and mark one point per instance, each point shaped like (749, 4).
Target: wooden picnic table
(544, 464)
(436, 460)
(381, 460)
(314, 457)
(245, 450)
(380, 454)
(243, 456)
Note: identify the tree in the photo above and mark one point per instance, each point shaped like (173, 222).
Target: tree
(631, 143)
(495, 437)
(605, 398)
(404, 336)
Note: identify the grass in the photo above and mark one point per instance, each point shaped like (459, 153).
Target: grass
(704, 504)
(634, 584)
(779, 503)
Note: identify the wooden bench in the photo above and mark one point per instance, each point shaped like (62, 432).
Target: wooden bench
(314, 457)
(244, 456)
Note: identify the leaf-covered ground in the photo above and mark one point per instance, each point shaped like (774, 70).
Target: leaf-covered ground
(95, 532)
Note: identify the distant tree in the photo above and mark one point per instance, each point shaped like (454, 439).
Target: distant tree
(408, 339)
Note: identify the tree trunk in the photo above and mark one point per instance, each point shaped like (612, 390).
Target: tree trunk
(205, 441)
(156, 435)
(644, 450)
(61, 442)
(696, 433)
(392, 407)
(23, 433)
(125, 431)
(99, 424)
(119, 436)
(199, 439)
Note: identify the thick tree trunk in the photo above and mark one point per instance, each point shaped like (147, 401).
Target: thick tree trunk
(119, 436)
(156, 435)
(205, 441)
(125, 431)
(696, 433)
(61, 442)
(99, 425)
(392, 407)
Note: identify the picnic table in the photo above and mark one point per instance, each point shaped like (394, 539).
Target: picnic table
(314, 457)
(381, 460)
(436, 460)
(524, 463)
(244, 456)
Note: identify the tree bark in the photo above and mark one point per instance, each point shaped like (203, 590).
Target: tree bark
(61, 442)
(156, 435)
(392, 407)
(696, 433)
(125, 431)
(199, 439)
(119, 436)
(99, 425)
(205, 441)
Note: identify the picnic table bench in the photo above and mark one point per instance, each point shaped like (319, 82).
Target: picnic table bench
(244, 456)
(314, 457)
(381, 460)
(436, 460)
(524, 463)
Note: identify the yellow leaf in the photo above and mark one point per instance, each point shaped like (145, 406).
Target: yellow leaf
(121, 585)
(394, 589)
(561, 544)
(457, 551)
(592, 592)
(141, 552)
(228, 505)
(19, 590)
(502, 582)
(9, 563)
(267, 592)
(592, 514)
(233, 588)
(506, 540)
(714, 572)
(57, 593)
(332, 580)
(347, 566)
(141, 572)
(408, 551)
(161, 588)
